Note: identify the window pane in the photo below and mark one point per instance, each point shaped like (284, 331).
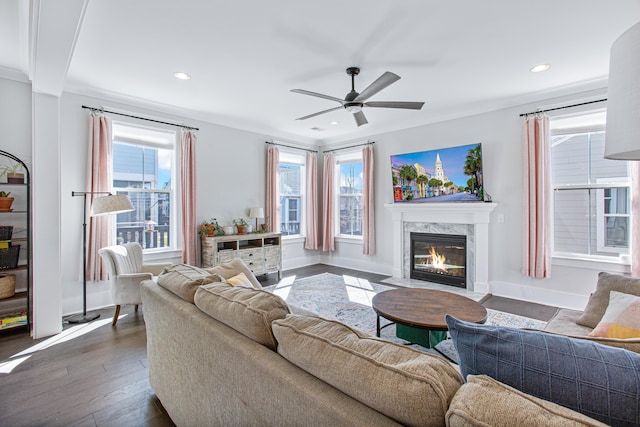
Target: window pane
(149, 224)
(139, 166)
(290, 197)
(588, 221)
(350, 199)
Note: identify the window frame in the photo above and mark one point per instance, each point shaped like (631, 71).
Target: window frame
(158, 138)
(294, 158)
(587, 121)
(346, 157)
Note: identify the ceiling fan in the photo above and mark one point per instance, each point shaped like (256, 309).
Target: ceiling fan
(354, 101)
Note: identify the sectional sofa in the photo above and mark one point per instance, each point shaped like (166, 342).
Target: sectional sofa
(222, 354)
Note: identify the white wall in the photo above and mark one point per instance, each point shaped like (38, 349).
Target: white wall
(500, 133)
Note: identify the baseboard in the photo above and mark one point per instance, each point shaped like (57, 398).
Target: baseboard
(538, 295)
(353, 264)
(291, 263)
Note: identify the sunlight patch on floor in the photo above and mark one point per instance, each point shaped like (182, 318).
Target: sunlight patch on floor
(357, 282)
(359, 290)
(283, 287)
(67, 335)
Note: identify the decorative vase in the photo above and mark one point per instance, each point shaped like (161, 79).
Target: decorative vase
(229, 230)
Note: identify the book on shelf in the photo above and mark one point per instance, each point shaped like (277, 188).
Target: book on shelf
(16, 319)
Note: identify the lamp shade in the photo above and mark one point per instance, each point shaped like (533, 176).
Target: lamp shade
(623, 100)
(256, 213)
(111, 204)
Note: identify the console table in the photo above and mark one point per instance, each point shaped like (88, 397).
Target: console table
(262, 252)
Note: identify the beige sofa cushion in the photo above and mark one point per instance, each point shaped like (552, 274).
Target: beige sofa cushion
(183, 280)
(248, 311)
(234, 268)
(599, 300)
(409, 386)
(483, 401)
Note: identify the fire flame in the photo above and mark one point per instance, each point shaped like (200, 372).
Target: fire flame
(437, 260)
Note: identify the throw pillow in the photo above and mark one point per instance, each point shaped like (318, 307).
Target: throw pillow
(239, 280)
(410, 386)
(183, 280)
(234, 267)
(599, 381)
(483, 401)
(622, 318)
(599, 300)
(248, 311)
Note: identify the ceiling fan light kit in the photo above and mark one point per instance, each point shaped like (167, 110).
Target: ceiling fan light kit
(353, 102)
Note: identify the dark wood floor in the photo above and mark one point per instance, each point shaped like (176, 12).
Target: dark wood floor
(99, 377)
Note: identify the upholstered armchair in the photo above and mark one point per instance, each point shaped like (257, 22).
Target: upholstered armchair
(124, 263)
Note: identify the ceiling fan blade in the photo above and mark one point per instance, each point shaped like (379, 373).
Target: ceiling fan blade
(318, 95)
(360, 118)
(383, 81)
(321, 112)
(395, 104)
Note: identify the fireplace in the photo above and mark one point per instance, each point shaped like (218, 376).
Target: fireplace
(439, 258)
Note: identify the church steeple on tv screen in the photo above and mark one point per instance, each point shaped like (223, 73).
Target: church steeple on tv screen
(451, 174)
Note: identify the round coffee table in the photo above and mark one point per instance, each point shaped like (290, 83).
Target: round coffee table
(424, 310)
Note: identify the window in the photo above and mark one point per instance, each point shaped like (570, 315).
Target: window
(143, 169)
(591, 197)
(349, 194)
(292, 172)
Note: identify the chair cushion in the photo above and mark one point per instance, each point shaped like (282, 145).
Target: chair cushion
(599, 300)
(622, 318)
(599, 381)
(410, 386)
(247, 310)
(183, 280)
(483, 401)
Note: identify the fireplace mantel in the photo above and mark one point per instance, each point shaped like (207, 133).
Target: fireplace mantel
(475, 214)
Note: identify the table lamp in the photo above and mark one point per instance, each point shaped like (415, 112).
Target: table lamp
(256, 213)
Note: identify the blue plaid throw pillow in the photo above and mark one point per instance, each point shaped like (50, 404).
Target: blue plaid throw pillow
(599, 381)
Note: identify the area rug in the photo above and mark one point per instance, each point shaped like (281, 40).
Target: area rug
(348, 299)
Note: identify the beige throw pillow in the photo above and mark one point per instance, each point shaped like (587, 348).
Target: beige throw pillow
(248, 311)
(599, 300)
(183, 280)
(233, 268)
(483, 401)
(622, 318)
(410, 386)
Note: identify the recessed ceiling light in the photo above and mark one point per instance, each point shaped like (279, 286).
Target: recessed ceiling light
(334, 123)
(182, 76)
(540, 67)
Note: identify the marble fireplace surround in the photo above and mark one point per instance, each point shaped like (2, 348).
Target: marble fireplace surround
(470, 219)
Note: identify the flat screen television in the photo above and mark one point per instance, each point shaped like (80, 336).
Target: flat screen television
(452, 174)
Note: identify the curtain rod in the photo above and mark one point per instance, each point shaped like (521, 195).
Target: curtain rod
(351, 146)
(102, 110)
(290, 146)
(562, 108)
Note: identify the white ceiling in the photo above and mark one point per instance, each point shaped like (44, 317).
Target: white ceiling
(460, 57)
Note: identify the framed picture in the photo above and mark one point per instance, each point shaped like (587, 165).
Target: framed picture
(452, 174)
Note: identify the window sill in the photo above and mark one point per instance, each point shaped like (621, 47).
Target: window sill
(161, 254)
(355, 240)
(292, 239)
(613, 265)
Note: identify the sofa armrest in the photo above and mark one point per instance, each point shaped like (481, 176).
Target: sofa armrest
(154, 269)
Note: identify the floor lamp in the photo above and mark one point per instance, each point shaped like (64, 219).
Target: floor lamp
(109, 204)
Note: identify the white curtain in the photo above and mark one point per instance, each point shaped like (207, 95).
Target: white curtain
(536, 262)
(311, 195)
(188, 195)
(368, 202)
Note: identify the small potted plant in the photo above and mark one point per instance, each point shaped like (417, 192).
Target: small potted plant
(12, 173)
(241, 224)
(211, 228)
(5, 201)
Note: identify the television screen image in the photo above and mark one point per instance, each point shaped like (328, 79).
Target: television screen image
(451, 174)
